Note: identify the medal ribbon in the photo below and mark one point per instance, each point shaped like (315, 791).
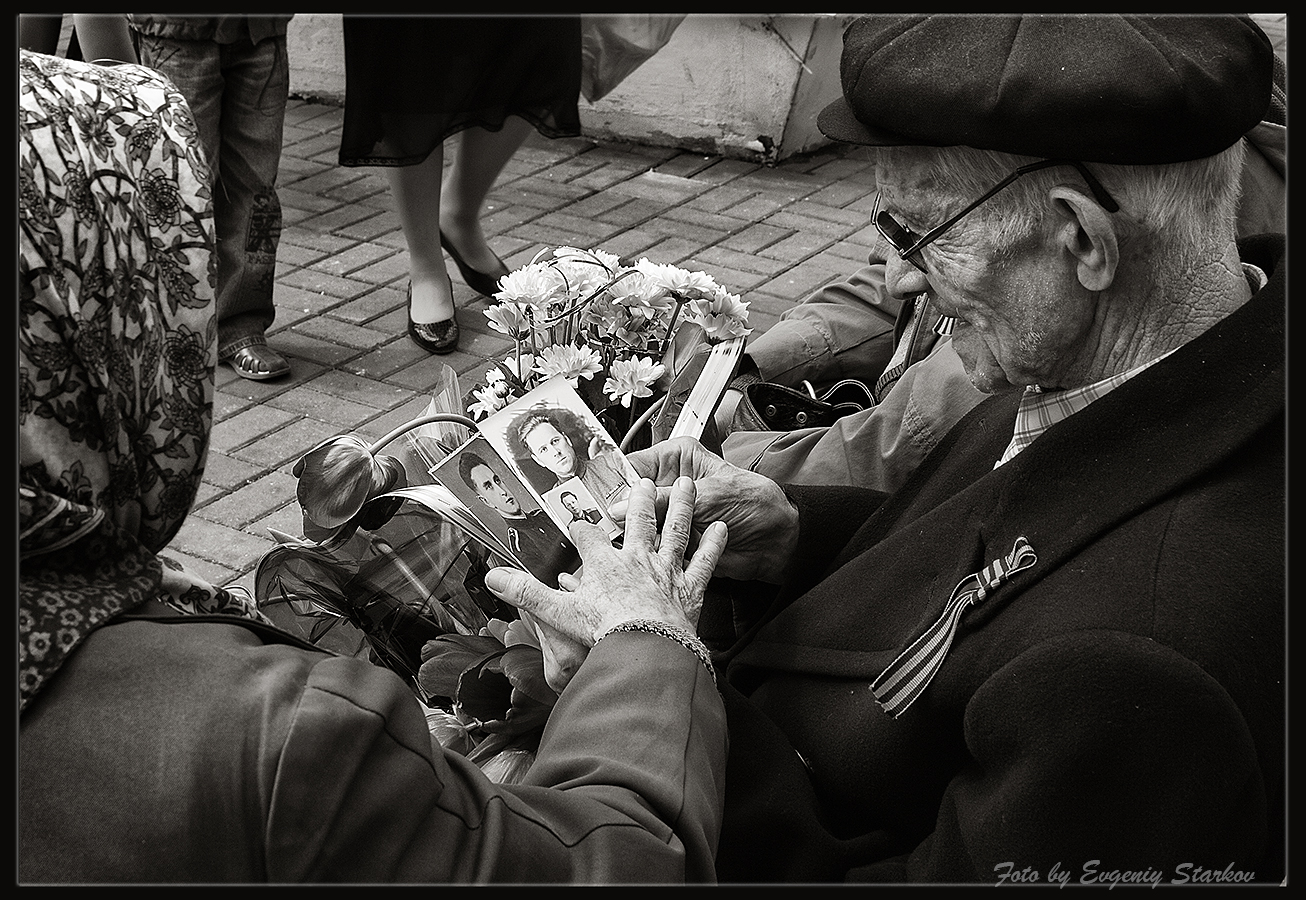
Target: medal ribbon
(907, 676)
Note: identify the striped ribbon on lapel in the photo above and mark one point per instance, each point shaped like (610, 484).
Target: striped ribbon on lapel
(907, 676)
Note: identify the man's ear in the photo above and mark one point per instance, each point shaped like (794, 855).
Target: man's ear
(1088, 233)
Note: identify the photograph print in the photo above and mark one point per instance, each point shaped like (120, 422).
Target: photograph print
(506, 507)
(571, 502)
(552, 437)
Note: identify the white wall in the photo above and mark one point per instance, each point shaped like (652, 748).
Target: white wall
(745, 87)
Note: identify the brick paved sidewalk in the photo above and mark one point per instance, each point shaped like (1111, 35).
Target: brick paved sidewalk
(770, 234)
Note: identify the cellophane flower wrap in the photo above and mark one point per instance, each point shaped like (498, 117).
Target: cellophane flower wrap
(609, 327)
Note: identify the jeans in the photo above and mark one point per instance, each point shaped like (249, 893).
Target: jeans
(237, 95)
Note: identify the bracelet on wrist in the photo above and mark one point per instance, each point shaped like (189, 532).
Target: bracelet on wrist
(686, 639)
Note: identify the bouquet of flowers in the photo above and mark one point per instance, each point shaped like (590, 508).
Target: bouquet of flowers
(618, 331)
(408, 576)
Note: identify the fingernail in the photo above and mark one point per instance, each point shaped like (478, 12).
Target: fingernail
(497, 580)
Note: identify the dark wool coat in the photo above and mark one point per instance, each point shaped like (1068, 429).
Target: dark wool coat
(1116, 708)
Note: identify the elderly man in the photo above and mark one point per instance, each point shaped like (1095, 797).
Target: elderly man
(855, 328)
(1057, 652)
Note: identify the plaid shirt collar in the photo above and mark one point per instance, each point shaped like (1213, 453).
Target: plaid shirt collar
(1039, 409)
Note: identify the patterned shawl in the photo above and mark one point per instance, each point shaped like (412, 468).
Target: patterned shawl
(117, 344)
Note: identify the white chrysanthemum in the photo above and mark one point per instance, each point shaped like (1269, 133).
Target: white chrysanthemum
(509, 318)
(569, 361)
(723, 315)
(631, 378)
(609, 261)
(638, 291)
(584, 271)
(487, 401)
(682, 282)
(534, 284)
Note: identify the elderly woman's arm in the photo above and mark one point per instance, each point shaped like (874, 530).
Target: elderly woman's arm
(627, 786)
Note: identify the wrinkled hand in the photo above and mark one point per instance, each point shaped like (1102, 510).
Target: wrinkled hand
(647, 578)
(762, 523)
(562, 655)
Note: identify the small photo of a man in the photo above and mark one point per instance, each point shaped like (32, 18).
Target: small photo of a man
(571, 502)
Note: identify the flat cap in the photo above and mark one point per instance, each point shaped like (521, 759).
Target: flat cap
(1122, 89)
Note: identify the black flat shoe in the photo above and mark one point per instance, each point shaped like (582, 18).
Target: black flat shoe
(433, 337)
(477, 281)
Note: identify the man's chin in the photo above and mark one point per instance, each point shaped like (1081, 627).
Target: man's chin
(986, 379)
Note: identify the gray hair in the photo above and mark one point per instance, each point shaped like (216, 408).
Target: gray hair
(1178, 211)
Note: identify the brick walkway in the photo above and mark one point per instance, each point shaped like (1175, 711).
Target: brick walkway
(770, 234)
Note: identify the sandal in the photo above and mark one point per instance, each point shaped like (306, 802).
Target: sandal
(257, 362)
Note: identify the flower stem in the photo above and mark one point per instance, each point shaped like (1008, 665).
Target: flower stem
(419, 421)
(671, 326)
(530, 317)
(639, 423)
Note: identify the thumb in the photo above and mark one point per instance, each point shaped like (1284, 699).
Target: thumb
(517, 588)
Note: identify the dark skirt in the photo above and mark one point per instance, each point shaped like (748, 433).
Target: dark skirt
(412, 81)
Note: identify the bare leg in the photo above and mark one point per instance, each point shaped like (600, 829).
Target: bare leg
(416, 192)
(104, 36)
(480, 160)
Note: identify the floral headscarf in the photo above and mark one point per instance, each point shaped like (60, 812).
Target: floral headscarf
(117, 344)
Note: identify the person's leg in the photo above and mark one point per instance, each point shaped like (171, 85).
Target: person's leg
(416, 194)
(103, 36)
(477, 165)
(40, 32)
(247, 210)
